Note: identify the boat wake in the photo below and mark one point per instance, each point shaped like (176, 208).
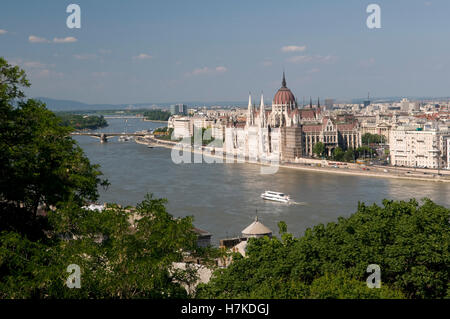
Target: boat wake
(298, 203)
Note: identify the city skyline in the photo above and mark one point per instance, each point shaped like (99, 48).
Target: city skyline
(153, 52)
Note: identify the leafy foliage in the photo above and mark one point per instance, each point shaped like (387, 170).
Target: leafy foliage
(368, 138)
(80, 122)
(122, 253)
(157, 115)
(338, 154)
(319, 149)
(40, 165)
(409, 241)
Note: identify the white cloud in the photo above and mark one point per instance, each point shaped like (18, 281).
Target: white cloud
(35, 39)
(293, 48)
(46, 73)
(2, 31)
(206, 70)
(34, 64)
(142, 56)
(65, 40)
(221, 69)
(84, 56)
(312, 58)
(199, 71)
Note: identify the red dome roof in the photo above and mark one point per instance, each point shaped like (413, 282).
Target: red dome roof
(284, 95)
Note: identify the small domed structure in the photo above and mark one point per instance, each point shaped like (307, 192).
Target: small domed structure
(256, 229)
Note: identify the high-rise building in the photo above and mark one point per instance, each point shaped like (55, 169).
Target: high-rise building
(367, 102)
(178, 109)
(329, 104)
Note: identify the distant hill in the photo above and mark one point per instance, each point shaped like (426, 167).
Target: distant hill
(69, 105)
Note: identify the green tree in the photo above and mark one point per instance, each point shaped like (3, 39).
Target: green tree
(365, 151)
(122, 252)
(407, 240)
(80, 122)
(319, 149)
(350, 155)
(368, 138)
(157, 115)
(40, 165)
(342, 286)
(338, 154)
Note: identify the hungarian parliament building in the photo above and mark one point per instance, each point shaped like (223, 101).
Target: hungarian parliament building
(286, 132)
(283, 132)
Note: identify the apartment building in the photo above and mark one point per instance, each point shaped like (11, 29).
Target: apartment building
(418, 147)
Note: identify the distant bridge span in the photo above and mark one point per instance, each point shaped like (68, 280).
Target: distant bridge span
(104, 136)
(106, 117)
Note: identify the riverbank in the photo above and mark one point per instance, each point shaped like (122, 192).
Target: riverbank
(359, 171)
(156, 121)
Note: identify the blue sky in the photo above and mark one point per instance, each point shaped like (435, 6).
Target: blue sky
(179, 51)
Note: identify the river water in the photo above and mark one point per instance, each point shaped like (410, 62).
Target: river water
(224, 198)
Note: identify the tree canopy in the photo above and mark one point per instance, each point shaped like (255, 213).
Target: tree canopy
(80, 122)
(40, 164)
(319, 149)
(157, 115)
(122, 253)
(368, 138)
(45, 181)
(409, 241)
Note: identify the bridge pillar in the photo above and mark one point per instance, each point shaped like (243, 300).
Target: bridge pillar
(103, 138)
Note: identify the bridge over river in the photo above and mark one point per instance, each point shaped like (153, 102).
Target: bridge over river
(104, 136)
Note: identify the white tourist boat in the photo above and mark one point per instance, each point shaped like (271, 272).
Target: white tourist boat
(276, 197)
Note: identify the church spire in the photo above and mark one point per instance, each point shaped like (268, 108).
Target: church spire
(262, 102)
(250, 110)
(310, 102)
(283, 82)
(262, 115)
(318, 102)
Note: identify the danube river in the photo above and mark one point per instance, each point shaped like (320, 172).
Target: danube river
(224, 198)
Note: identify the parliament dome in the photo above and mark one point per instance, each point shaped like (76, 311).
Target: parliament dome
(284, 95)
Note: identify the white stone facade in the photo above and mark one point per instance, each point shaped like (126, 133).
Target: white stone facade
(418, 148)
(448, 153)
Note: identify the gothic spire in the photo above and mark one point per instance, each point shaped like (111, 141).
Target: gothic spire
(262, 102)
(310, 102)
(250, 110)
(318, 102)
(283, 83)
(262, 112)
